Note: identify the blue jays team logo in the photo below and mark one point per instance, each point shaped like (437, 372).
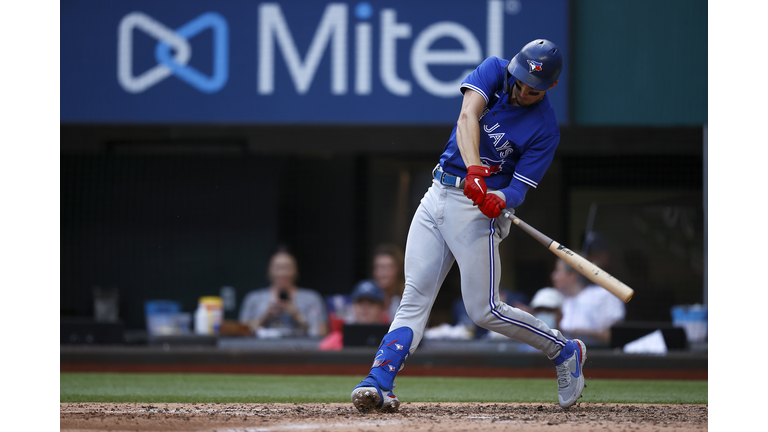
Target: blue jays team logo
(378, 361)
(493, 165)
(534, 66)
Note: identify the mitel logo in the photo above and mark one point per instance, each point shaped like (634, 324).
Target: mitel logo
(332, 35)
(343, 33)
(176, 64)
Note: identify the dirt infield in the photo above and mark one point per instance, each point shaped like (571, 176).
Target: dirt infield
(422, 417)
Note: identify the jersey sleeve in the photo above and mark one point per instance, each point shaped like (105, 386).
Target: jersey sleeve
(514, 194)
(530, 169)
(486, 79)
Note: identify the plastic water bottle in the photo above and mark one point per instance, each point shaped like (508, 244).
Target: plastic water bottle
(201, 320)
(208, 316)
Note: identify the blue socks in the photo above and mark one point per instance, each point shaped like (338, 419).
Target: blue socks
(565, 353)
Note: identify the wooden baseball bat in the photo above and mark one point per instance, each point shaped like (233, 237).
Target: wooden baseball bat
(581, 264)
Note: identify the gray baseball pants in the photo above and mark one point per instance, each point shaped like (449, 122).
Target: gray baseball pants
(448, 228)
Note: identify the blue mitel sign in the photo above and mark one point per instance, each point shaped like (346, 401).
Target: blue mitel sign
(250, 62)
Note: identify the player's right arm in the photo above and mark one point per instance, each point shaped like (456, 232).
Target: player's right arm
(468, 127)
(477, 87)
(468, 141)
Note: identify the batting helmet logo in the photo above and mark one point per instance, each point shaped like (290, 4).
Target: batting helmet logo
(534, 66)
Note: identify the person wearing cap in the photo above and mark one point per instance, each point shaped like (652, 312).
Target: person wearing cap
(367, 308)
(547, 305)
(368, 304)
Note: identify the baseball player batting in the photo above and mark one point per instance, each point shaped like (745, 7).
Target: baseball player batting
(503, 143)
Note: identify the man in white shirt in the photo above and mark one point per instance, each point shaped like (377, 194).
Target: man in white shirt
(589, 311)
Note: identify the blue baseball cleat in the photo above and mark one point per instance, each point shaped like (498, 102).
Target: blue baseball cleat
(570, 377)
(368, 397)
(375, 391)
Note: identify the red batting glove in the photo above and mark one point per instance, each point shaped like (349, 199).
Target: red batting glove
(474, 183)
(492, 206)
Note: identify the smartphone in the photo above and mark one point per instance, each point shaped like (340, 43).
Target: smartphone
(284, 295)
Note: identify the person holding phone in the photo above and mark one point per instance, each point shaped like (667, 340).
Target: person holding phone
(283, 309)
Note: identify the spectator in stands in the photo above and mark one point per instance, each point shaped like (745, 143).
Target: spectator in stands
(284, 309)
(547, 305)
(589, 310)
(368, 304)
(388, 273)
(367, 308)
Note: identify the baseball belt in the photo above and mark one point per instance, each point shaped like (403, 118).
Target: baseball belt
(447, 179)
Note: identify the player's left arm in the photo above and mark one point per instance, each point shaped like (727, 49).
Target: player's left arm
(528, 172)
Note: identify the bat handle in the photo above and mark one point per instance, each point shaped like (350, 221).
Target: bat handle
(533, 232)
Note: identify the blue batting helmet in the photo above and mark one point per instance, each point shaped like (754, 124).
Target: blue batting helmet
(538, 64)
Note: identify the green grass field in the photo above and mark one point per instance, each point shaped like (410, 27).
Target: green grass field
(202, 388)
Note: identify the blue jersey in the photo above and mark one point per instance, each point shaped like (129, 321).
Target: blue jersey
(516, 143)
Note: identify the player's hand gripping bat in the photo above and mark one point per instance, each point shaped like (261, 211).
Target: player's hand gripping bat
(583, 266)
